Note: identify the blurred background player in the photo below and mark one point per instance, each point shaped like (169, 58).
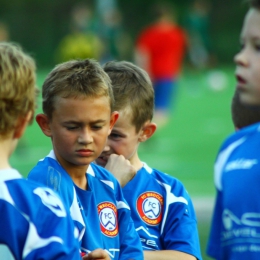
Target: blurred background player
(197, 26)
(160, 50)
(82, 41)
(34, 222)
(201, 56)
(115, 38)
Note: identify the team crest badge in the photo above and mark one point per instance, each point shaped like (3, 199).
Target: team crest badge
(107, 212)
(149, 206)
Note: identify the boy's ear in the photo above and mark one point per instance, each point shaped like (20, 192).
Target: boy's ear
(21, 125)
(43, 122)
(113, 119)
(147, 131)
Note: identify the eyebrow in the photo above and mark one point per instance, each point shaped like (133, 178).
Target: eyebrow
(80, 122)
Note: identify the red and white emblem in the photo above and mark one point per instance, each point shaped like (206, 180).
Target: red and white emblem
(149, 206)
(107, 212)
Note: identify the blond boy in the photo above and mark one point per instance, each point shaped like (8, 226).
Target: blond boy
(34, 223)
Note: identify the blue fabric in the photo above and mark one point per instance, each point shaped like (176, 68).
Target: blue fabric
(164, 93)
(34, 222)
(235, 228)
(101, 210)
(162, 212)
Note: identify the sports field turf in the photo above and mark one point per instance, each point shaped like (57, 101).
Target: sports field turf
(185, 148)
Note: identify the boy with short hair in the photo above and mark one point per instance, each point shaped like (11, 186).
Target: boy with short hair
(34, 222)
(235, 224)
(160, 206)
(77, 116)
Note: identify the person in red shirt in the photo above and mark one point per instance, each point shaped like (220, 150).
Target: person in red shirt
(160, 50)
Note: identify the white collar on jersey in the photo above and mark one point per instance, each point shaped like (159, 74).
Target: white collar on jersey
(9, 174)
(147, 168)
(89, 170)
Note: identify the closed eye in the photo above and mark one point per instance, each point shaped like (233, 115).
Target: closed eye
(71, 128)
(114, 136)
(96, 127)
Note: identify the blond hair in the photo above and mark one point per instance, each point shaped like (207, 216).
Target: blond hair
(17, 86)
(75, 79)
(133, 90)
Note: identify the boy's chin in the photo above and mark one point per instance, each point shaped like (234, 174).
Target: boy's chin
(250, 101)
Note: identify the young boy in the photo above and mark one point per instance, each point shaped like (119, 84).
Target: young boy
(34, 223)
(235, 225)
(77, 105)
(160, 206)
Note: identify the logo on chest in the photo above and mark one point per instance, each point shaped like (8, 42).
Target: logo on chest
(149, 207)
(241, 164)
(107, 212)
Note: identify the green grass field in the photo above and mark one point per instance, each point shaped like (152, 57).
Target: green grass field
(185, 148)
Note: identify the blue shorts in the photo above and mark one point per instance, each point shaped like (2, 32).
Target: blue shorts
(164, 91)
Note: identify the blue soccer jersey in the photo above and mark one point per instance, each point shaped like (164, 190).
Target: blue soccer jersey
(101, 214)
(162, 212)
(34, 223)
(235, 229)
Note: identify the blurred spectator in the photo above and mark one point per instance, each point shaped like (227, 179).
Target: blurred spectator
(201, 55)
(117, 42)
(197, 26)
(160, 50)
(82, 41)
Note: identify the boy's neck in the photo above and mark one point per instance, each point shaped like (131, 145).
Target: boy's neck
(81, 182)
(136, 162)
(6, 148)
(77, 174)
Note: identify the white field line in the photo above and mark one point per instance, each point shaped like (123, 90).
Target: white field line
(203, 207)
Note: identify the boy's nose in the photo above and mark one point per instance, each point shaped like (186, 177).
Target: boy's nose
(240, 59)
(85, 137)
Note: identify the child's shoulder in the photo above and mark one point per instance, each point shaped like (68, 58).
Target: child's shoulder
(21, 188)
(253, 129)
(160, 180)
(161, 176)
(100, 173)
(249, 132)
(50, 173)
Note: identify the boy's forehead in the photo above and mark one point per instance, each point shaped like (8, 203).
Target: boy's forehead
(251, 25)
(65, 98)
(83, 103)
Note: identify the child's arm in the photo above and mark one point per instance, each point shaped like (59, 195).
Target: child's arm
(167, 254)
(121, 168)
(98, 254)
